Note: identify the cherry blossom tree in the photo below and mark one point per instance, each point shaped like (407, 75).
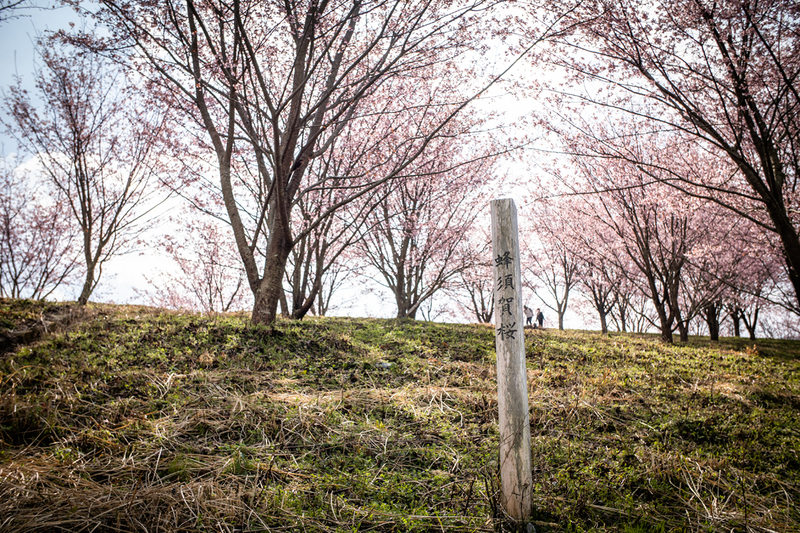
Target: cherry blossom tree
(681, 241)
(729, 260)
(600, 286)
(314, 263)
(724, 73)
(416, 233)
(210, 278)
(710, 270)
(472, 293)
(711, 314)
(477, 285)
(94, 145)
(551, 269)
(652, 227)
(37, 245)
(757, 284)
(748, 315)
(595, 260)
(314, 268)
(272, 85)
(7, 8)
(335, 279)
(632, 310)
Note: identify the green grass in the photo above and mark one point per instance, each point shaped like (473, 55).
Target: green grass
(135, 418)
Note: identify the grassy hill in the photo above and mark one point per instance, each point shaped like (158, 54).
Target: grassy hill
(123, 418)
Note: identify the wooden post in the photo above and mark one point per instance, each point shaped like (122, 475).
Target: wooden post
(512, 378)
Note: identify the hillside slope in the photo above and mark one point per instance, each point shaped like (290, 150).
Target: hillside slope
(131, 419)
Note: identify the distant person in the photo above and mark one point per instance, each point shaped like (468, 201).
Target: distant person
(540, 318)
(528, 316)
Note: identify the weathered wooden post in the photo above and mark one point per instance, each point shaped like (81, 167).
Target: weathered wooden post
(512, 383)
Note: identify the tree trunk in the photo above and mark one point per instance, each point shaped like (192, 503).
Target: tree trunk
(666, 325)
(405, 309)
(789, 239)
(322, 304)
(88, 285)
(683, 325)
(683, 329)
(301, 308)
(603, 324)
(750, 324)
(403, 312)
(712, 320)
(623, 318)
(270, 288)
(737, 332)
(284, 305)
(660, 304)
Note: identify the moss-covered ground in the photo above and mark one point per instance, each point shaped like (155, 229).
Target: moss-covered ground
(138, 419)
